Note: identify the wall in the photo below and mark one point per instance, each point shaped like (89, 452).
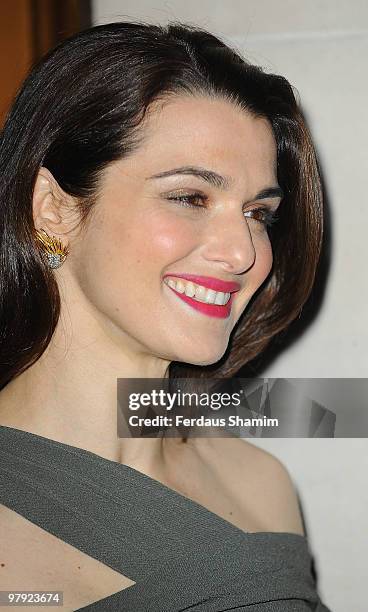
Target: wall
(16, 49)
(28, 29)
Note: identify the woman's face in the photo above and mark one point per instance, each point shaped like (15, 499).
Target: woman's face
(185, 203)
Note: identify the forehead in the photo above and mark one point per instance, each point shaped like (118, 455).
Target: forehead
(209, 132)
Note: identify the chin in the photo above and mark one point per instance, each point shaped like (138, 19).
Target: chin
(202, 357)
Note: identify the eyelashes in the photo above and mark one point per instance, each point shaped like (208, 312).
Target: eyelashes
(261, 214)
(189, 199)
(268, 217)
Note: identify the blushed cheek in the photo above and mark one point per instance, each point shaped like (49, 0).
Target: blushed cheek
(170, 241)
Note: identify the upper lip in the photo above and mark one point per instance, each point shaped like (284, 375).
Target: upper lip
(209, 282)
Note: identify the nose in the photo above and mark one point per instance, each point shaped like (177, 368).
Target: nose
(229, 242)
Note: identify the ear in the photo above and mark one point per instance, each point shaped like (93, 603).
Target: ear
(49, 204)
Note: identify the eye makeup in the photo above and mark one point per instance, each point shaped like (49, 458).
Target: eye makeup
(262, 214)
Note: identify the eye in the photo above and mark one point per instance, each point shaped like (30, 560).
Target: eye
(189, 199)
(262, 215)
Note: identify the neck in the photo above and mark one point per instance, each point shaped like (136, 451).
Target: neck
(70, 393)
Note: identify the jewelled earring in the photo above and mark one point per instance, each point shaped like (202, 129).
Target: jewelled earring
(52, 248)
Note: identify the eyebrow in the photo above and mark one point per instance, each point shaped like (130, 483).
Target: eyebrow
(217, 180)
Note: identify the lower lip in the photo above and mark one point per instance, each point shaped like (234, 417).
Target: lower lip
(211, 310)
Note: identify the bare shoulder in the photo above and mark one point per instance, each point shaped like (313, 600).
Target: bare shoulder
(261, 482)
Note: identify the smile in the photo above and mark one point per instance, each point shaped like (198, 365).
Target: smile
(206, 300)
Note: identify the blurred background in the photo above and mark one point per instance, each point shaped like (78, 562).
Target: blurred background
(321, 46)
(28, 29)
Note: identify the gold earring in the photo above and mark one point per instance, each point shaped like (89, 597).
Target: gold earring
(54, 250)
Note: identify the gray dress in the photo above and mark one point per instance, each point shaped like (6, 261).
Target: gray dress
(181, 555)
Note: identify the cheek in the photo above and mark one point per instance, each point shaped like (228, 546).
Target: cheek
(162, 241)
(264, 257)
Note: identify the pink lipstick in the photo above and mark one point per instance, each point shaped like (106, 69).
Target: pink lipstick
(209, 282)
(212, 310)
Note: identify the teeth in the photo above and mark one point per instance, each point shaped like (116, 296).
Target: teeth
(190, 290)
(198, 292)
(219, 299)
(210, 296)
(180, 287)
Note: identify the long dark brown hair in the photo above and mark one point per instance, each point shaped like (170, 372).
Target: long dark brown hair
(80, 109)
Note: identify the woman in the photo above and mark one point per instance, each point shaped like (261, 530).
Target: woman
(135, 158)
